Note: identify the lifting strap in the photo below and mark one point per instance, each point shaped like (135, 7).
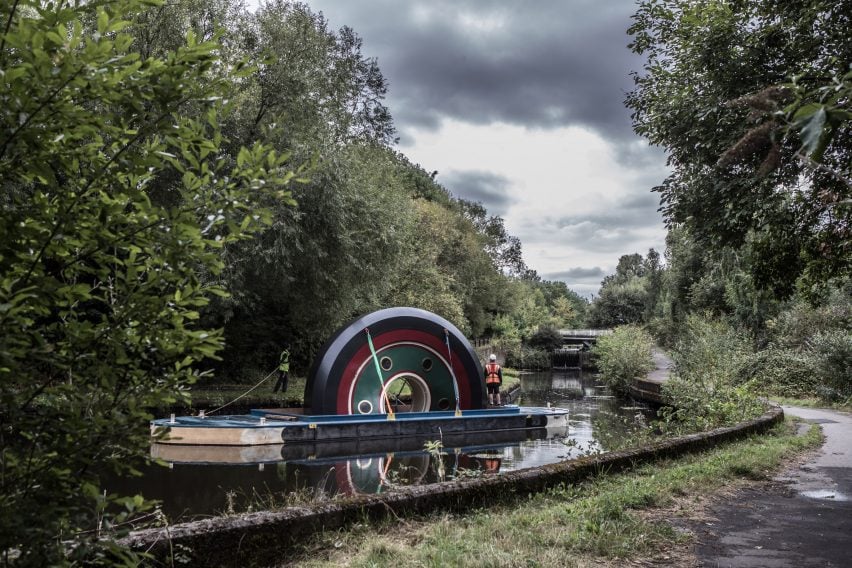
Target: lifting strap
(452, 373)
(391, 415)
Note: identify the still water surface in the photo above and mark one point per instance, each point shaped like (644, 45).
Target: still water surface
(263, 477)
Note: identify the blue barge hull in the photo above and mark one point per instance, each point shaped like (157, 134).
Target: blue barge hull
(288, 426)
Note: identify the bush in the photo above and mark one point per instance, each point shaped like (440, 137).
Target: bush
(794, 327)
(710, 351)
(780, 372)
(709, 362)
(831, 355)
(624, 356)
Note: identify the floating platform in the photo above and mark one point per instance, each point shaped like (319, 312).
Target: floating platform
(266, 427)
(333, 451)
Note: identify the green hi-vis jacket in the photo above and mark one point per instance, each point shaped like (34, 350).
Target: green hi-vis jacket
(284, 362)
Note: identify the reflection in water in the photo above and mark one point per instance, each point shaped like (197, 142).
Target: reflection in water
(207, 481)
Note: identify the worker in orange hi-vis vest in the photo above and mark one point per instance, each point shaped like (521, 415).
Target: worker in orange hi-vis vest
(493, 380)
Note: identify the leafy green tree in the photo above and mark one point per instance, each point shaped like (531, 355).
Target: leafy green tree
(315, 90)
(100, 286)
(619, 304)
(629, 295)
(749, 100)
(546, 338)
(567, 308)
(503, 248)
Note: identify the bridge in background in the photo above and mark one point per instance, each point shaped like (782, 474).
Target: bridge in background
(576, 343)
(579, 336)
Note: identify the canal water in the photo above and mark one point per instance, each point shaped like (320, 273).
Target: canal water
(201, 482)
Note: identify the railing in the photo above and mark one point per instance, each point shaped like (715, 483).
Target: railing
(584, 332)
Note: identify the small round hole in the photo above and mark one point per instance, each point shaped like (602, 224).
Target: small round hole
(443, 404)
(426, 364)
(365, 407)
(386, 363)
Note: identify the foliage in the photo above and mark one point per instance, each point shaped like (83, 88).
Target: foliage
(100, 285)
(546, 339)
(794, 326)
(623, 356)
(523, 357)
(779, 372)
(748, 99)
(831, 354)
(630, 295)
(710, 351)
(704, 392)
(529, 305)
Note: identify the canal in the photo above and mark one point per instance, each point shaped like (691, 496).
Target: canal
(200, 482)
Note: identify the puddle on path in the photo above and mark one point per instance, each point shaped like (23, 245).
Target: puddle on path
(825, 494)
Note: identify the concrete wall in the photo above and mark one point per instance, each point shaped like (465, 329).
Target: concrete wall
(265, 537)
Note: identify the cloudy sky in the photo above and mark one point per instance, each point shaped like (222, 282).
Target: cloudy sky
(518, 104)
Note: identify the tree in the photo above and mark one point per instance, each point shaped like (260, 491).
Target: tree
(626, 297)
(315, 90)
(750, 100)
(101, 287)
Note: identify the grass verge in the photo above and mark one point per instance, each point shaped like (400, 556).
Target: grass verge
(511, 379)
(597, 522)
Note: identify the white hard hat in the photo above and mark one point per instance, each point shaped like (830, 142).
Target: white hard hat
(492, 357)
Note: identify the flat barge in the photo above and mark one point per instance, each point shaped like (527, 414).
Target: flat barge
(263, 427)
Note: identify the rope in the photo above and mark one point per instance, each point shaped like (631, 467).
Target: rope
(452, 373)
(263, 380)
(391, 415)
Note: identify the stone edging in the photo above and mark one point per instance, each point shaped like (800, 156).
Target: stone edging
(265, 537)
(648, 391)
(509, 395)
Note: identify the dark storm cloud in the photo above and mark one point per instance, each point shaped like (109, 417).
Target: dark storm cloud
(492, 190)
(579, 273)
(538, 64)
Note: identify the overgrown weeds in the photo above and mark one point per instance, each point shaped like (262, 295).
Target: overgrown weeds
(703, 392)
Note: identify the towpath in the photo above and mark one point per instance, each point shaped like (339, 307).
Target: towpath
(802, 519)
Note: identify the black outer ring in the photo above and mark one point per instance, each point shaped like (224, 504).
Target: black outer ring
(324, 377)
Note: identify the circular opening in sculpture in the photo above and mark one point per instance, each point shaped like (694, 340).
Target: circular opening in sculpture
(407, 393)
(365, 407)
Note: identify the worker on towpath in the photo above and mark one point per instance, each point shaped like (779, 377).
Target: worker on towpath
(283, 372)
(493, 380)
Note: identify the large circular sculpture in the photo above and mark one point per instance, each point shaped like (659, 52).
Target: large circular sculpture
(417, 353)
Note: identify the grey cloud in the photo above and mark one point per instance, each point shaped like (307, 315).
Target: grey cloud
(543, 64)
(580, 273)
(613, 231)
(635, 212)
(492, 190)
